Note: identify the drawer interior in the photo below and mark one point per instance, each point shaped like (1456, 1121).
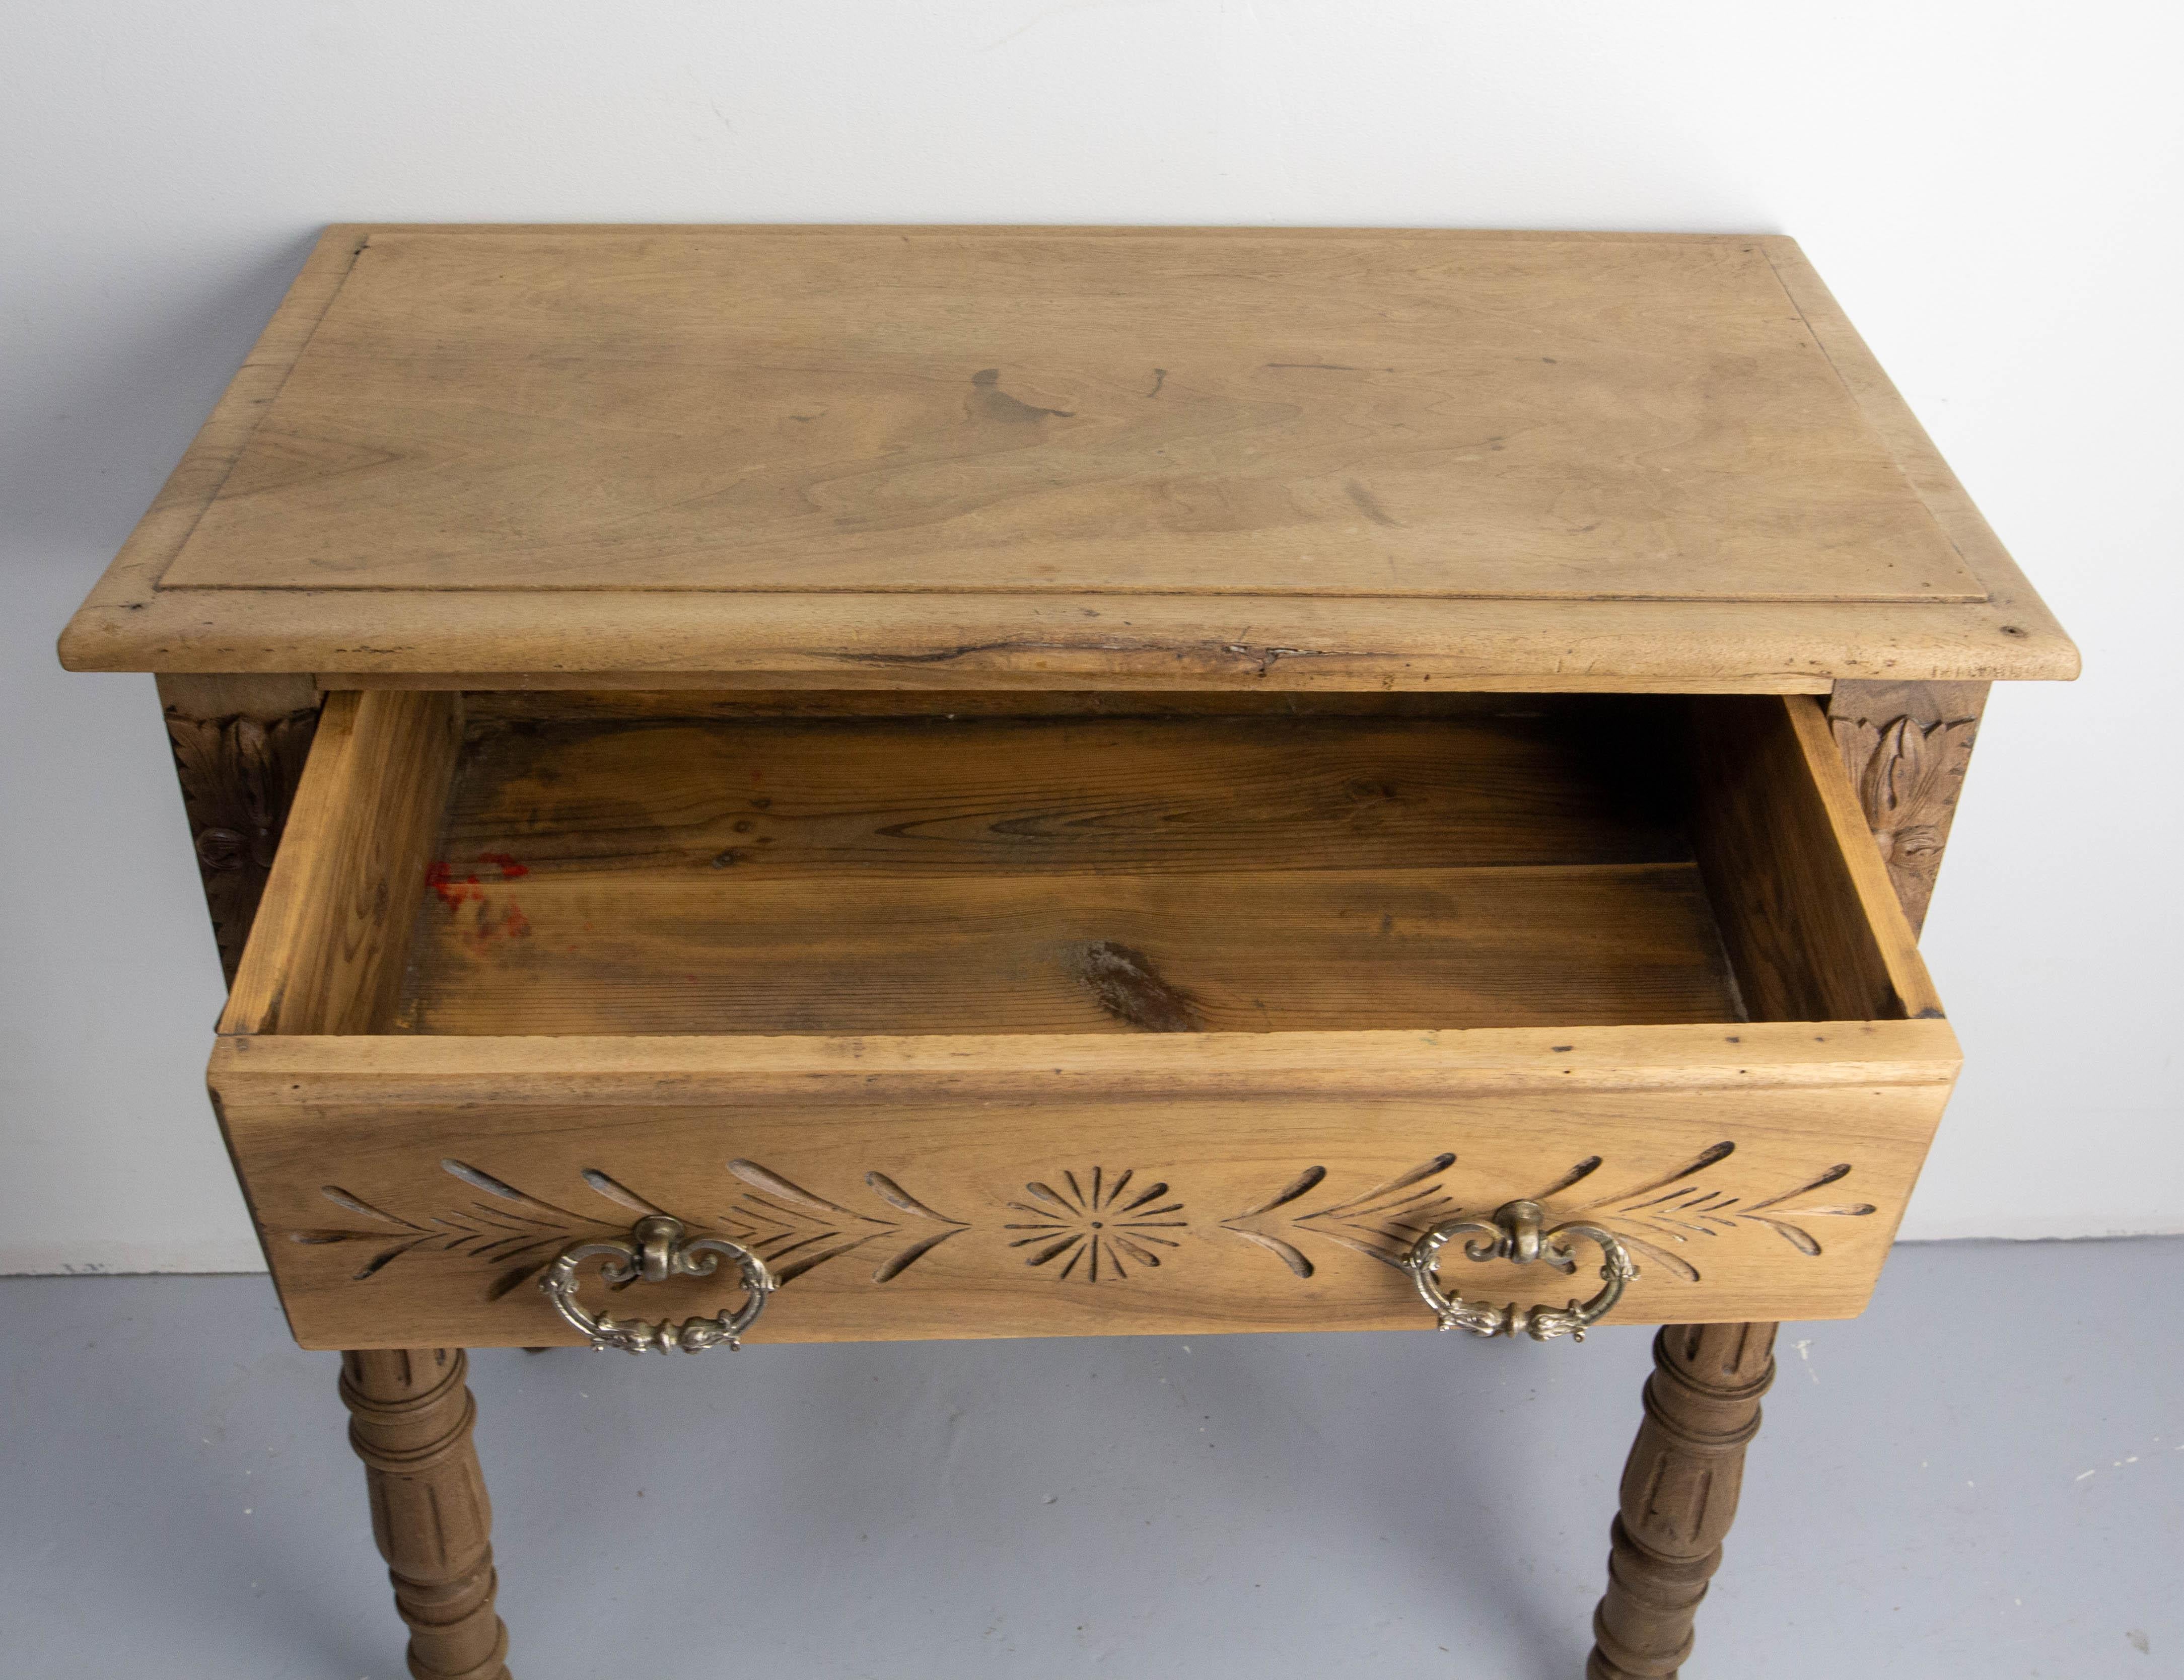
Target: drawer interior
(541, 864)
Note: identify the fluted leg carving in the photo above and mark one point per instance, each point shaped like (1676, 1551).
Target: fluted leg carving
(1679, 1489)
(412, 1413)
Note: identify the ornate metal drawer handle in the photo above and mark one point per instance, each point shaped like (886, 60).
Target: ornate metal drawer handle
(656, 1251)
(1515, 1233)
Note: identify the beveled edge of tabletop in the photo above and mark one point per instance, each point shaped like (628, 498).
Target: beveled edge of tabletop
(790, 639)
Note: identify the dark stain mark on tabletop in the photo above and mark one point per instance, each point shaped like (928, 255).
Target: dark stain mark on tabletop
(1369, 505)
(1124, 983)
(988, 401)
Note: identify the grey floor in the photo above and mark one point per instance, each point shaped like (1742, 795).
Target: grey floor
(1983, 1476)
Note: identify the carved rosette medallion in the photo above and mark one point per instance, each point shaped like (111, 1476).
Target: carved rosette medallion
(1076, 1225)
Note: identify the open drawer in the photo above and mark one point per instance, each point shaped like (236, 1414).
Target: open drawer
(1054, 1016)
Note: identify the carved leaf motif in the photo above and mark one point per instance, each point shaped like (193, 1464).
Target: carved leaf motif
(794, 1229)
(1389, 1218)
(1684, 1205)
(1907, 775)
(1383, 1223)
(238, 777)
(1655, 1218)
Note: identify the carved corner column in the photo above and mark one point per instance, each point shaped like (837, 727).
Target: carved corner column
(239, 745)
(1678, 1496)
(1907, 746)
(411, 1425)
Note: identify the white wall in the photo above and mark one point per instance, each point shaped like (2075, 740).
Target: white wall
(1992, 187)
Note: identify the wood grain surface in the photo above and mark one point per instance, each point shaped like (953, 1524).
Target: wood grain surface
(1814, 929)
(326, 954)
(1377, 413)
(969, 874)
(865, 456)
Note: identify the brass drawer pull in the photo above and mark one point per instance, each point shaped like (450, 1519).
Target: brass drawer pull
(656, 1251)
(1515, 1233)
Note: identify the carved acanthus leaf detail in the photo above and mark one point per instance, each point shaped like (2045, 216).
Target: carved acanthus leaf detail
(238, 777)
(1907, 775)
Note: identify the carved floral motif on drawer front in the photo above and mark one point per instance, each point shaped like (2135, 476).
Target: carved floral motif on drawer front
(1093, 1225)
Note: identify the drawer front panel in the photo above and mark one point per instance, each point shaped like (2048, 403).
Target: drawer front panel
(400, 1207)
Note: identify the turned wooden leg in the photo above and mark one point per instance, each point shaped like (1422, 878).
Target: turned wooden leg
(412, 1427)
(1680, 1491)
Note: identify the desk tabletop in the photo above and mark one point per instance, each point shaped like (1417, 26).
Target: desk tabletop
(1064, 457)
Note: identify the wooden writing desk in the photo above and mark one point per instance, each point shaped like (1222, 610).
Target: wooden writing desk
(1066, 781)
